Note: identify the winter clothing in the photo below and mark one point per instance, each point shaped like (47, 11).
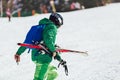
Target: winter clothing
(51, 73)
(43, 60)
(41, 68)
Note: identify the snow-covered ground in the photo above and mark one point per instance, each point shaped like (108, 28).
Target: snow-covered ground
(96, 30)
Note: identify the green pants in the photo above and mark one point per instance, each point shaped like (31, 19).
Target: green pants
(51, 73)
(45, 72)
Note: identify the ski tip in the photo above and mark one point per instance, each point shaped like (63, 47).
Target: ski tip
(86, 53)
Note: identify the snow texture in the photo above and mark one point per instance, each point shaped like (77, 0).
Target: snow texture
(96, 30)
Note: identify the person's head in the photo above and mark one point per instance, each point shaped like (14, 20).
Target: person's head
(57, 19)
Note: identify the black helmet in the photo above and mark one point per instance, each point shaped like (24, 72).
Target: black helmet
(57, 19)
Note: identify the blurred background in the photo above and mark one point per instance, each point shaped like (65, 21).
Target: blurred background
(21, 8)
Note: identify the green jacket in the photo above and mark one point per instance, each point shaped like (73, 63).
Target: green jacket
(49, 37)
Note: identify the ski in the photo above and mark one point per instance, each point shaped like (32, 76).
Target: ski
(33, 46)
(42, 47)
(67, 50)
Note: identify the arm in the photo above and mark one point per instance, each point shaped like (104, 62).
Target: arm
(18, 53)
(21, 50)
(49, 37)
(58, 57)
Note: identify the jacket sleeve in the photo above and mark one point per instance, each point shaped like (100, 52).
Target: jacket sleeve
(49, 37)
(58, 57)
(21, 50)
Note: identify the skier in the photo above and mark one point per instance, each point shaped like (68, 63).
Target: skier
(44, 71)
(8, 13)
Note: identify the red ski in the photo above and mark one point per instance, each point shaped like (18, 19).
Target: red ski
(59, 50)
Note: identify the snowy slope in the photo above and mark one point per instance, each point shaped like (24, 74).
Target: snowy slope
(96, 30)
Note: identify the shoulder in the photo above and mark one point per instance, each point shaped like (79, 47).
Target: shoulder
(50, 29)
(51, 26)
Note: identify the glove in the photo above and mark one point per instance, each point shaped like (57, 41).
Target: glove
(17, 58)
(63, 63)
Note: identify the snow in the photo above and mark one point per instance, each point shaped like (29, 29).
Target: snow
(96, 30)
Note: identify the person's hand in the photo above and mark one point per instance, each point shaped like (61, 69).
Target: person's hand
(54, 54)
(63, 63)
(17, 58)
